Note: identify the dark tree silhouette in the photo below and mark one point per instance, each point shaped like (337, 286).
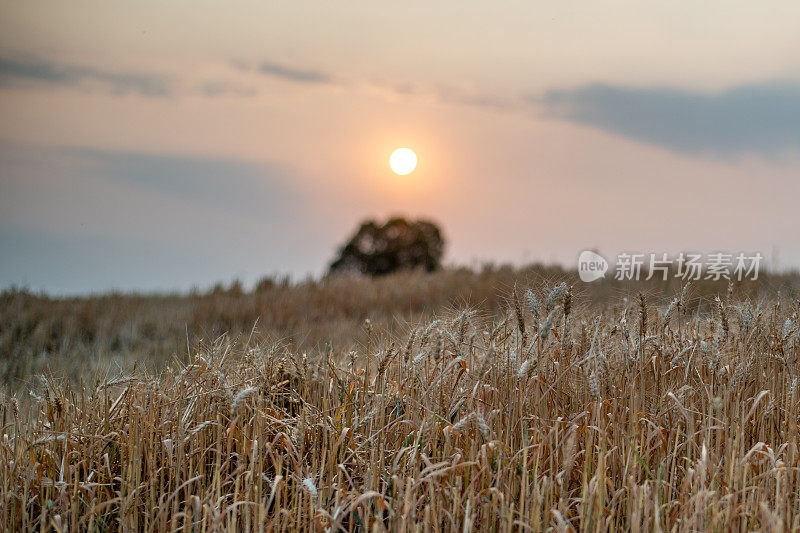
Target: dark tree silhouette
(397, 245)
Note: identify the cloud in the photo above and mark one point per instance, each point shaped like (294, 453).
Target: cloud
(480, 100)
(386, 89)
(21, 70)
(292, 73)
(439, 94)
(74, 219)
(761, 118)
(213, 89)
(80, 264)
(16, 70)
(211, 182)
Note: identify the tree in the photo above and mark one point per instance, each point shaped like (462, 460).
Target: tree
(397, 245)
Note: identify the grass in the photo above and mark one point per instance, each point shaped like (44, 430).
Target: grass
(571, 407)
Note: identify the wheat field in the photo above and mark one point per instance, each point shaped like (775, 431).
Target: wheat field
(518, 403)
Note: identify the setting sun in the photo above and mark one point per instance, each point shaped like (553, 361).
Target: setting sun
(403, 161)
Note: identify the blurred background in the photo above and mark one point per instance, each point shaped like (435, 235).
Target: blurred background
(157, 147)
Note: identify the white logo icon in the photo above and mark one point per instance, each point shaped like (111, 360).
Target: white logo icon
(591, 266)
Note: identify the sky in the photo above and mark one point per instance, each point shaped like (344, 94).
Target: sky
(155, 146)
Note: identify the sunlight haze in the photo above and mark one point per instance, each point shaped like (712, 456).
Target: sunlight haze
(158, 146)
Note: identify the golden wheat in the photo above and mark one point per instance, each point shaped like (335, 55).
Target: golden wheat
(689, 424)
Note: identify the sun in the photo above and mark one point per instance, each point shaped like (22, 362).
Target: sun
(403, 161)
